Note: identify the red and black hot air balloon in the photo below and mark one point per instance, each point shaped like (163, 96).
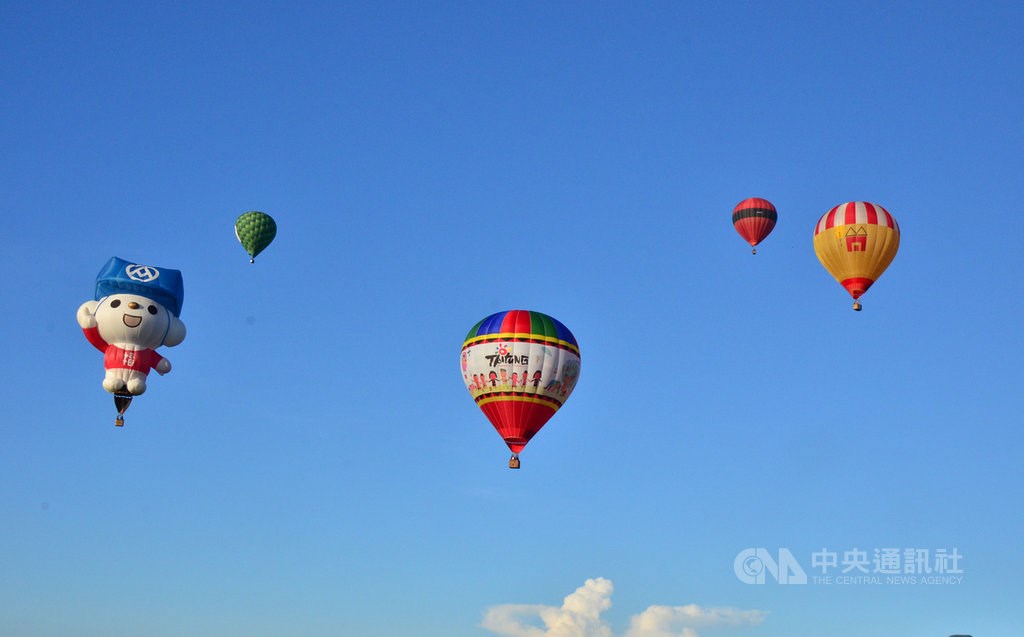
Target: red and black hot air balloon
(754, 219)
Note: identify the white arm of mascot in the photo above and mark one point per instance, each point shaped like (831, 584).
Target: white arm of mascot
(87, 314)
(175, 335)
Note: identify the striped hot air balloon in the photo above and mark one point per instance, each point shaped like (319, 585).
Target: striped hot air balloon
(520, 367)
(856, 241)
(754, 219)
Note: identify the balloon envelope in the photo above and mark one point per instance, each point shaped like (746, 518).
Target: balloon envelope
(255, 230)
(754, 219)
(856, 241)
(520, 367)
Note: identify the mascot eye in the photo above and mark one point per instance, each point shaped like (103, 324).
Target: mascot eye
(152, 309)
(115, 303)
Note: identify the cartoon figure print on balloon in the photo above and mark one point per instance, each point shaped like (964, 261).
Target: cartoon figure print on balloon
(133, 314)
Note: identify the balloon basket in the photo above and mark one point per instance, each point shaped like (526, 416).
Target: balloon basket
(119, 422)
(754, 251)
(513, 462)
(856, 306)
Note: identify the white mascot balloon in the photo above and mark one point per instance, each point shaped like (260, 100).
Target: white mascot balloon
(135, 311)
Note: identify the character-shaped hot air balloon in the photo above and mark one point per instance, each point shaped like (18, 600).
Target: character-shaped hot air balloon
(520, 367)
(255, 230)
(135, 311)
(754, 219)
(856, 242)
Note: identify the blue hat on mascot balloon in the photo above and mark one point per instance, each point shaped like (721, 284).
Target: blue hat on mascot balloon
(162, 285)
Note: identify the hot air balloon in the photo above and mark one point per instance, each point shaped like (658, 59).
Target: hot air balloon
(856, 241)
(135, 311)
(754, 219)
(520, 367)
(255, 230)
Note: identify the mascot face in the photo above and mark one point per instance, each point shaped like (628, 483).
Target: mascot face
(133, 319)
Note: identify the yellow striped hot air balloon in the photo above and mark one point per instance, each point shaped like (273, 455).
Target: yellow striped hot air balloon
(856, 241)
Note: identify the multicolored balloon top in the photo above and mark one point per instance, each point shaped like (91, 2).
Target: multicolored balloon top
(523, 324)
(856, 213)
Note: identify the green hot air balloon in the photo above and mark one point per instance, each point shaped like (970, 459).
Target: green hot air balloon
(255, 230)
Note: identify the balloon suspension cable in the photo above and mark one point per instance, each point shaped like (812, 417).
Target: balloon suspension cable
(513, 462)
(856, 306)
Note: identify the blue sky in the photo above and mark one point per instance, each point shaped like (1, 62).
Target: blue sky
(313, 466)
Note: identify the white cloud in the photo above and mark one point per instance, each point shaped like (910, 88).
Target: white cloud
(580, 616)
(683, 621)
